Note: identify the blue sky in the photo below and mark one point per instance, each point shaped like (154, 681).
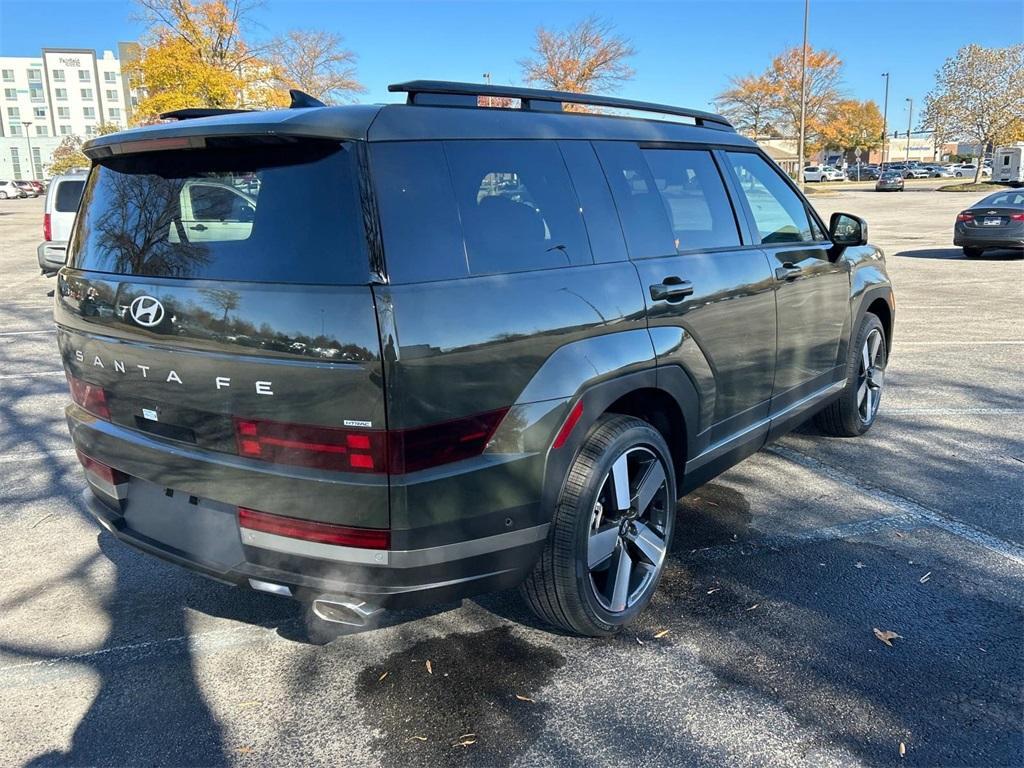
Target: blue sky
(686, 50)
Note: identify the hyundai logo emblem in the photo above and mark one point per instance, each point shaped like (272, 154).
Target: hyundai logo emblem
(147, 311)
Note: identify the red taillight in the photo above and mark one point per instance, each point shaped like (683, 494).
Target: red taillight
(47, 234)
(410, 450)
(90, 396)
(567, 427)
(308, 530)
(366, 450)
(306, 446)
(1017, 217)
(101, 470)
(964, 217)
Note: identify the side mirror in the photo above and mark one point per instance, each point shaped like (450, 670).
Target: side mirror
(846, 230)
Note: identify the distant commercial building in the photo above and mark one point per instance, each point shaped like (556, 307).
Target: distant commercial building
(62, 92)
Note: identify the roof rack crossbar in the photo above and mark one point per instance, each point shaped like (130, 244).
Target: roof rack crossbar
(540, 100)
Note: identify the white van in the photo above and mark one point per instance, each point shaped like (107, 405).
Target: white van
(62, 198)
(1008, 164)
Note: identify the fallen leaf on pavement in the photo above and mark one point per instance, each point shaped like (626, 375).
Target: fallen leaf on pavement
(925, 578)
(713, 590)
(639, 641)
(903, 749)
(524, 698)
(430, 668)
(417, 738)
(858, 564)
(752, 607)
(243, 750)
(661, 634)
(887, 637)
(465, 740)
(381, 678)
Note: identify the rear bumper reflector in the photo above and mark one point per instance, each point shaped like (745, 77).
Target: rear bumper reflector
(309, 530)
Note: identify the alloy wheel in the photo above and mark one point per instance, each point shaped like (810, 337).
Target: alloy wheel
(871, 377)
(629, 530)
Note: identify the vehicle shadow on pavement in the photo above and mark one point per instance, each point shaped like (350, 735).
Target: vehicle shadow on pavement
(1002, 254)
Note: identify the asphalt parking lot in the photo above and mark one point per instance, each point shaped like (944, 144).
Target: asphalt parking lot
(758, 649)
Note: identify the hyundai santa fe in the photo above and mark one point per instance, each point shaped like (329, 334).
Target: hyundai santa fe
(382, 356)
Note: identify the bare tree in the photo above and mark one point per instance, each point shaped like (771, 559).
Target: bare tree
(588, 58)
(978, 95)
(314, 61)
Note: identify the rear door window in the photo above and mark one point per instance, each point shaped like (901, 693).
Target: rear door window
(283, 214)
(599, 214)
(695, 200)
(517, 206)
(641, 210)
(69, 194)
(778, 212)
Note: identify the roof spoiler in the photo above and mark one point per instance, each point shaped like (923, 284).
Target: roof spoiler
(444, 93)
(299, 100)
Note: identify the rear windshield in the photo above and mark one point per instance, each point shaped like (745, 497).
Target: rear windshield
(68, 195)
(282, 214)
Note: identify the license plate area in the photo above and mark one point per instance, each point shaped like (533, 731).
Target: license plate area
(202, 530)
(992, 221)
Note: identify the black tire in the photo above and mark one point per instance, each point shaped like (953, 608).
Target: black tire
(972, 253)
(845, 416)
(562, 588)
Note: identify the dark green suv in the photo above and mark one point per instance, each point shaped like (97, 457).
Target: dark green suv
(382, 356)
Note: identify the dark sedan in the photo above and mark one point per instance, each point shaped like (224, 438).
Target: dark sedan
(889, 181)
(996, 221)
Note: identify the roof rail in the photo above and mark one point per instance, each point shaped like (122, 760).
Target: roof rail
(194, 112)
(441, 92)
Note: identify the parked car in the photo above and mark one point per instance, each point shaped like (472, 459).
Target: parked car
(1009, 163)
(545, 401)
(822, 173)
(889, 181)
(996, 221)
(940, 171)
(916, 172)
(27, 187)
(862, 172)
(10, 189)
(969, 170)
(59, 209)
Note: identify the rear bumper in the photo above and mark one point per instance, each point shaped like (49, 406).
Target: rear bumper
(410, 578)
(975, 237)
(51, 256)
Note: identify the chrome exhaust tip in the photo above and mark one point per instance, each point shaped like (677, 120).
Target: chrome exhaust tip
(342, 609)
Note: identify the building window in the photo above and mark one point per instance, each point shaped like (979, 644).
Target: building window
(13, 113)
(115, 113)
(35, 93)
(110, 77)
(90, 130)
(8, 75)
(83, 76)
(87, 94)
(42, 130)
(11, 94)
(89, 113)
(35, 74)
(16, 162)
(65, 130)
(37, 163)
(39, 113)
(64, 113)
(16, 130)
(111, 95)
(62, 94)
(58, 75)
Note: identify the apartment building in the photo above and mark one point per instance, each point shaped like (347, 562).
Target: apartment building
(62, 92)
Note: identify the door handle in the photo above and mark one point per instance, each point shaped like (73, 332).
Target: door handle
(671, 289)
(199, 227)
(787, 272)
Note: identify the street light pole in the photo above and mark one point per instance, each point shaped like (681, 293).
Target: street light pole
(910, 119)
(31, 168)
(885, 114)
(803, 96)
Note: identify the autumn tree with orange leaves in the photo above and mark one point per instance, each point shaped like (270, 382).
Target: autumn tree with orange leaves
(852, 126)
(586, 58)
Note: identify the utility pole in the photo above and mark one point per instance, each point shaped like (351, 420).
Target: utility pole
(31, 168)
(910, 118)
(885, 114)
(803, 96)
(487, 79)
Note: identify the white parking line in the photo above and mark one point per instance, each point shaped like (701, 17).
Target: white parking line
(25, 375)
(910, 509)
(952, 411)
(958, 343)
(26, 333)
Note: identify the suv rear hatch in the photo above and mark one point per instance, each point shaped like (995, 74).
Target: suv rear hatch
(218, 328)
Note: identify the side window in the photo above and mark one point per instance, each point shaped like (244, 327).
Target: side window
(694, 196)
(778, 211)
(599, 214)
(518, 208)
(418, 217)
(641, 210)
